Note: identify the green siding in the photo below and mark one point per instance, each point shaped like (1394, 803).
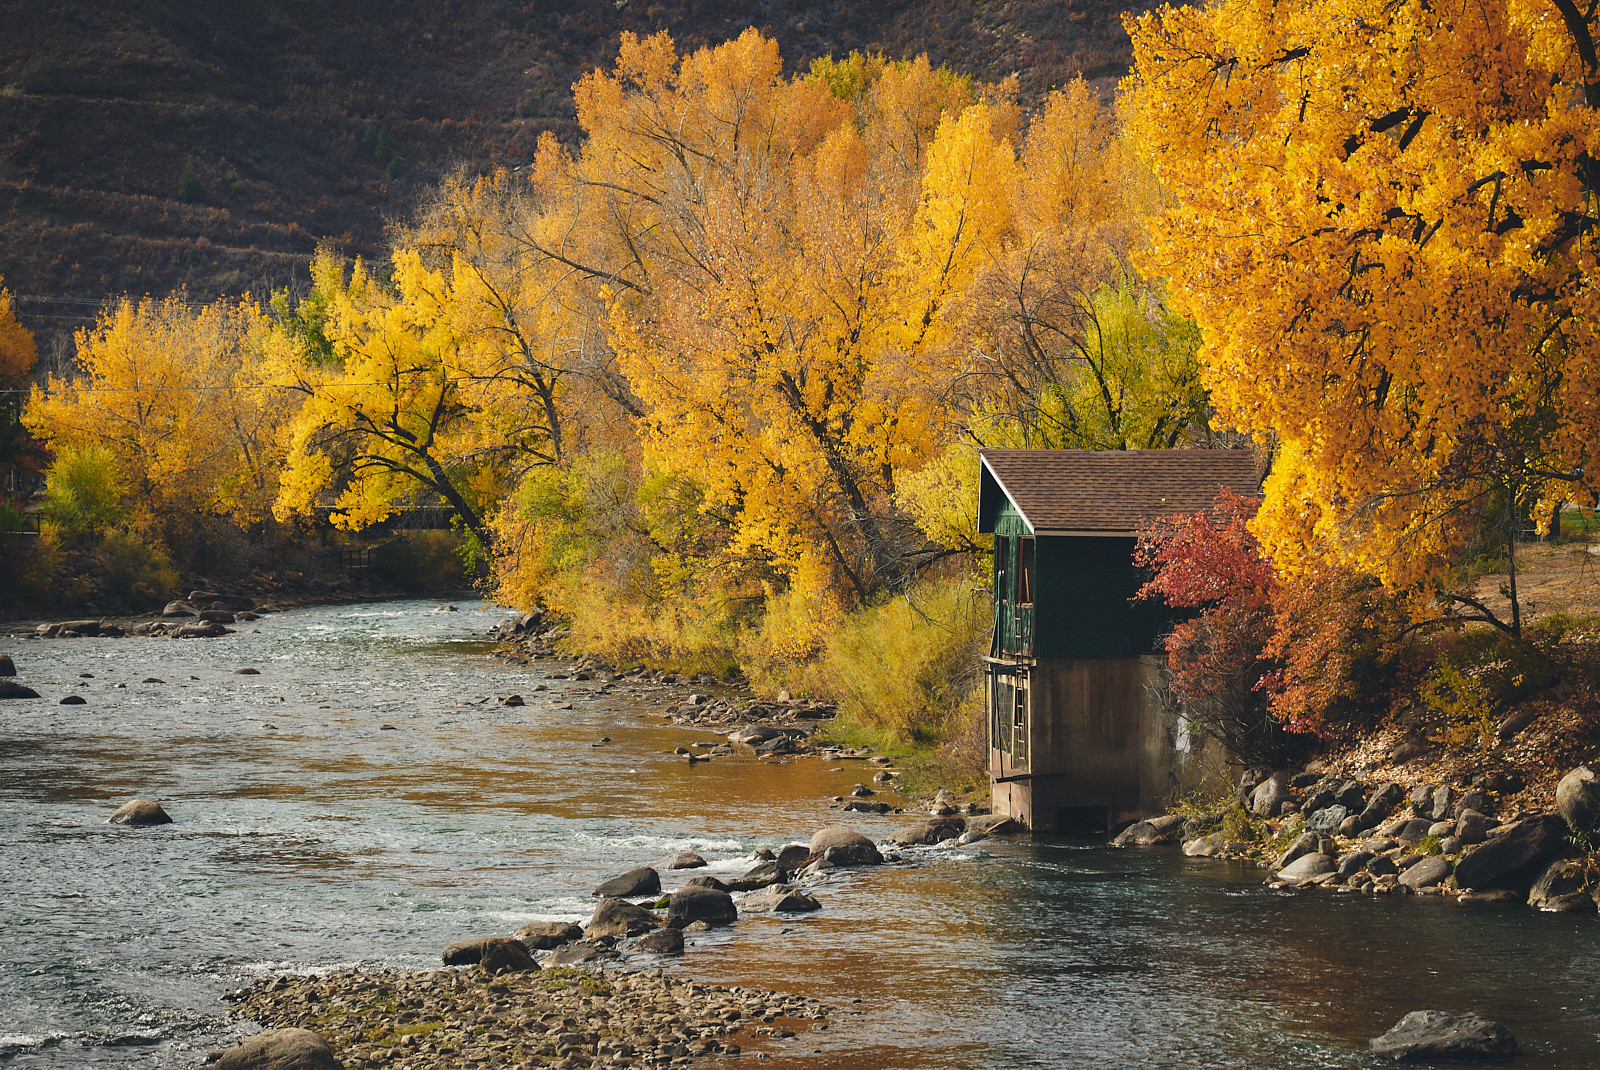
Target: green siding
(1082, 594)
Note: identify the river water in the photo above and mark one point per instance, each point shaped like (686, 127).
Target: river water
(309, 836)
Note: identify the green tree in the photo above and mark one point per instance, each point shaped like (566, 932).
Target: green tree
(189, 184)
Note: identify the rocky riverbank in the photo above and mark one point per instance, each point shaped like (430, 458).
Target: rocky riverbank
(1317, 828)
(558, 1017)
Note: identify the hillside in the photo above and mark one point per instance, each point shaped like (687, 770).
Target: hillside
(280, 105)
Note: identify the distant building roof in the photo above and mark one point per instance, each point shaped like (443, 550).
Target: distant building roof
(1108, 492)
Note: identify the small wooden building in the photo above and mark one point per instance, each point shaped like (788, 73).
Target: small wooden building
(1083, 733)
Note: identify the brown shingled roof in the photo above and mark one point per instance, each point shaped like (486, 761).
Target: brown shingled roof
(1108, 492)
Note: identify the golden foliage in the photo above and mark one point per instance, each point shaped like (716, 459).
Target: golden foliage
(18, 353)
(1382, 222)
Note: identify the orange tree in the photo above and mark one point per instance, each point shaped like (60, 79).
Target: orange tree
(1382, 219)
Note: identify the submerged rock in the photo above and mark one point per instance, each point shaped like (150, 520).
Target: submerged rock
(780, 900)
(1441, 1035)
(280, 1049)
(12, 689)
(139, 812)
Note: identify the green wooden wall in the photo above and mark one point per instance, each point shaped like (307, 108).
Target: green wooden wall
(1082, 605)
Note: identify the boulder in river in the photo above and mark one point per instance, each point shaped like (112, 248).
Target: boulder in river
(1578, 798)
(793, 856)
(927, 833)
(1429, 1035)
(683, 860)
(1308, 867)
(753, 734)
(693, 903)
(1514, 858)
(74, 700)
(7, 666)
(1562, 887)
(995, 824)
(618, 917)
(630, 885)
(139, 812)
(180, 608)
(845, 847)
(1426, 873)
(280, 1049)
(1208, 846)
(708, 881)
(12, 689)
(762, 875)
(544, 935)
(666, 941)
(463, 952)
(1162, 829)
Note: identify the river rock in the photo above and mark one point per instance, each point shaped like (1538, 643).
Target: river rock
(1562, 887)
(683, 860)
(844, 847)
(665, 941)
(12, 689)
(792, 857)
(139, 812)
(7, 666)
(544, 935)
(463, 952)
(180, 608)
(1513, 858)
(1270, 795)
(779, 745)
(618, 917)
(1162, 829)
(761, 876)
(927, 833)
(1326, 821)
(1473, 800)
(1352, 795)
(1307, 867)
(693, 903)
(1421, 799)
(202, 630)
(630, 885)
(216, 616)
(73, 700)
(1494, 897)
(753, 734)
(502, 955)
(1425, 873)
(995, 824)
(1472, 827)
(1578, 799)
(1206, 846)
(1442, 797)
(780, 900)
(579, 952)
(1425, 1035)
(1353, 863)
(280, 1049)
(1305, 845)
(1382, 801)
(1413, 831)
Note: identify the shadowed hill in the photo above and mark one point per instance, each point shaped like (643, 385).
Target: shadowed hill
(308, 120)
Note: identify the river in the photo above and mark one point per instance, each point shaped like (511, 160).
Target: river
(307, 835)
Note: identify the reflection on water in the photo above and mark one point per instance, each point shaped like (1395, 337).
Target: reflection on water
(308, 835)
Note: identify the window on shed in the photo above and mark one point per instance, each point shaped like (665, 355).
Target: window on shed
(1025, 571)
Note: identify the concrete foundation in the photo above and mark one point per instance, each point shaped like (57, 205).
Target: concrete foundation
(1087, 745)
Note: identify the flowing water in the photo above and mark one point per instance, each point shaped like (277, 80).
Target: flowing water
(308, 836)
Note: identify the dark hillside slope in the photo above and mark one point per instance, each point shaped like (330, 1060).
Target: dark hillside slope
(104, 103)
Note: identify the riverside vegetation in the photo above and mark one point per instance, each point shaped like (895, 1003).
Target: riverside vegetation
(705, 387)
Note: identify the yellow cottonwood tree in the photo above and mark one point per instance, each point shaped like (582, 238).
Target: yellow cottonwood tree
(174, 391)
(1384, 224)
